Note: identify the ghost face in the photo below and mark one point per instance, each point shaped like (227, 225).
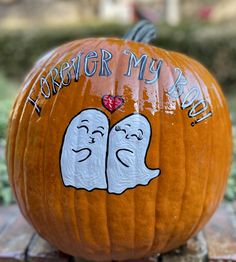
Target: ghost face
(131, 135)
(83, 157)
(128, 144)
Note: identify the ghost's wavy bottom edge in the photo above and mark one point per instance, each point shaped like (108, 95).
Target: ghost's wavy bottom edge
(113, 193)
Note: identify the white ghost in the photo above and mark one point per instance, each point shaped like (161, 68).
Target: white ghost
(128, 145)
(83, 154)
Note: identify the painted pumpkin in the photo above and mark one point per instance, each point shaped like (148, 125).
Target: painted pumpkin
(117, 149)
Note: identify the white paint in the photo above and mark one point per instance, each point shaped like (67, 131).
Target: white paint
(83, 157)
(128, 144)
(89, 162)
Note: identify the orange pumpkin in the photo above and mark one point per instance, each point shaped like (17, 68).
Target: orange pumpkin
(117, 149)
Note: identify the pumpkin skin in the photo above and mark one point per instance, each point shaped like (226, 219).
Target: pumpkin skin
(97, 225)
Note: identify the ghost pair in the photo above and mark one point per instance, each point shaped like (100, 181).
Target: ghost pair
(93, 156)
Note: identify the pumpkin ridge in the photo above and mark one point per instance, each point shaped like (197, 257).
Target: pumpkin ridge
(134, 205)
(44, 159)
(45, 141)
(195, 228)
(77, 217)
(45, 204)
(22, 160)
(114, 92)
(152, 243)
(223, 102)
(181, 207)
(221, 183)
(108, 195)
(182, 58)
(216, 110)
(178, 104)
(8, 152)
(161, 100)
(184, 187)
(11, 158)
(77, 228)
(167, 243)
(101, 41)
(94, 44)
(156, 196)
(78, 233)
(196, 75)
(133, 193)
(20, 117)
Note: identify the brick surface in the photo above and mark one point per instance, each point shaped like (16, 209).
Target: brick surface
(7, 214)
(40, 250)
(194, 251)
(220, 234)
(14, 239)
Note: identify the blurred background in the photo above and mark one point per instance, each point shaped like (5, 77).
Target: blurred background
(204, 29)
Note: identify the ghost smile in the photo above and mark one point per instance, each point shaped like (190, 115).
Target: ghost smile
(119, 158)
(85, 152)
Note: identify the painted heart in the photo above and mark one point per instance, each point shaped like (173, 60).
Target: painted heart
(112, 103)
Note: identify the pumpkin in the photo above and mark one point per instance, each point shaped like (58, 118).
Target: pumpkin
(118, 149)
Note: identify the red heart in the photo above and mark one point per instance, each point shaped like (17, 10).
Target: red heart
(112, 103)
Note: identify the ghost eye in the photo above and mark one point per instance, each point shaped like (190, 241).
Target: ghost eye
(139, 136)
(85, 127)
(98, 132)
(117, 128)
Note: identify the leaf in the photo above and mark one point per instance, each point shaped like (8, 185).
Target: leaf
(6, 195)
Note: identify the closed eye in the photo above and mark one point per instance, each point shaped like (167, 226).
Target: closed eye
(119, 129)
(87, 129)
(98, 132)
(139, 137)
(140, 131)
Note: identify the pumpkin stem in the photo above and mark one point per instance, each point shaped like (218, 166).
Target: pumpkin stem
(144, 31)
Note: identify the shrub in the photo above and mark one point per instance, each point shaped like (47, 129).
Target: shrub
(19, 50)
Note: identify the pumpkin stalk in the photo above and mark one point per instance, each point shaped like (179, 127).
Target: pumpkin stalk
(144, 31)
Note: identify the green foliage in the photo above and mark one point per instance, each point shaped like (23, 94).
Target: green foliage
(5, 107)
(231, 189)
(19, 50)
(8, 89)
(6, 196)
(7, 93)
